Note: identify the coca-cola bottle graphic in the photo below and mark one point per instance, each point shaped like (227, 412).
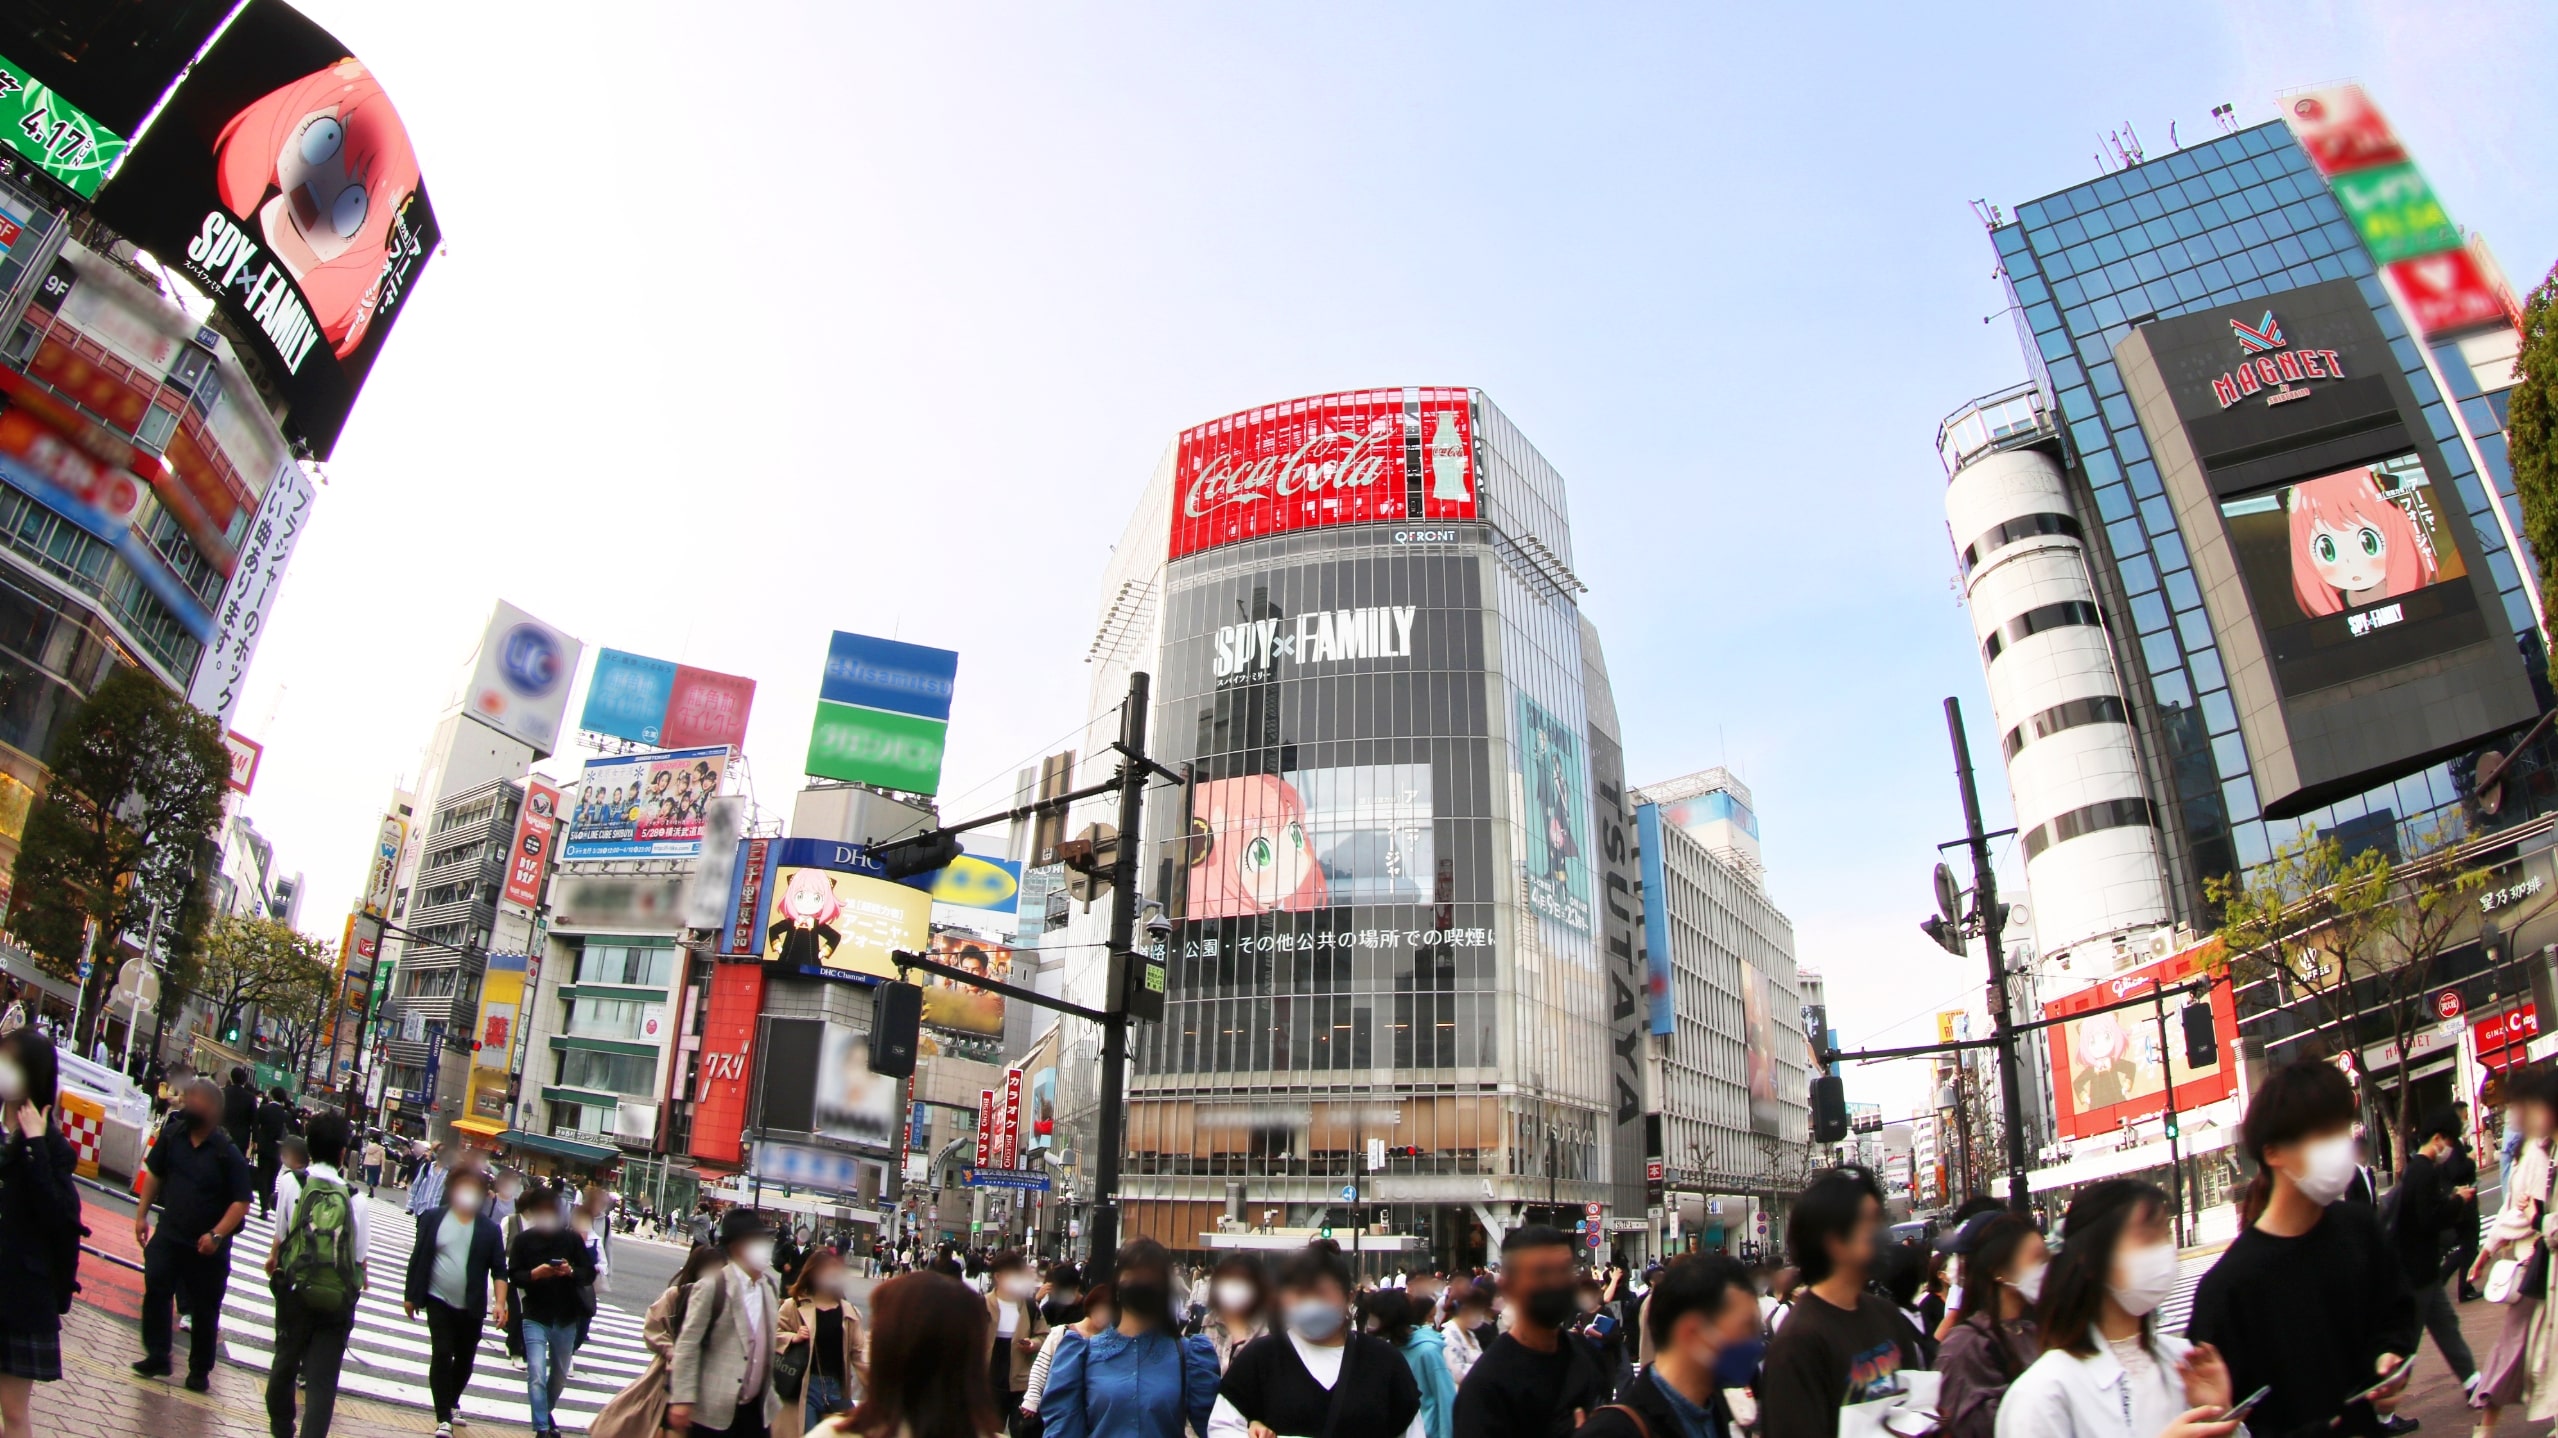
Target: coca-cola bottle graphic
(1448, 463)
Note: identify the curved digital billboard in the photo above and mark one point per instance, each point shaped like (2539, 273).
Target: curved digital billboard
(1354, 457)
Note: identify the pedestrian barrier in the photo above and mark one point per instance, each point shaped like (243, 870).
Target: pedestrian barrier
(84, 1124)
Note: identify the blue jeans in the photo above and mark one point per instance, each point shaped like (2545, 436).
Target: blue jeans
(548, 1347)
(818, 1398)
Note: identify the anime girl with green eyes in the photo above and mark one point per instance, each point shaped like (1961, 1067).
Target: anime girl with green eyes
(1251, 852)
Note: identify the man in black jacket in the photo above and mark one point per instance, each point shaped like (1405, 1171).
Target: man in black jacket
(1538, 1380)
(274, 1121)
(2426, 1207)
(1703, 1320)
(548, 1271)
(239, 1109)
(199, 1182)
(2460, 1172)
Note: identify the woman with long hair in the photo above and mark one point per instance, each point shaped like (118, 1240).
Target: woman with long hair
(39, 1222)
(1991, 1339)
(817, 1312)
(1139, 1378)
(2509, 1377)
(928, 1350)
(1238, 1305)
(2105, 1370)
(639, 1410)
(2312, 1299)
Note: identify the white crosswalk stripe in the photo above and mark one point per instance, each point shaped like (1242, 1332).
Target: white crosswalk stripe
(2179, 1307)
(386, 1355)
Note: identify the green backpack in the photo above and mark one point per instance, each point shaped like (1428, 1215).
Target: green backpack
(317, 1263)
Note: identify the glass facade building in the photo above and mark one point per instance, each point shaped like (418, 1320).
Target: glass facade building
(2239, 219)
(1394, 907)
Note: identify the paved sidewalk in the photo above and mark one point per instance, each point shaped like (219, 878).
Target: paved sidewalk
(99, 1397)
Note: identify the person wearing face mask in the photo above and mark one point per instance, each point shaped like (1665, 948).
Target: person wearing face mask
(1991, 1338)
(549, 1269)
(1462, 1336)
(2105, 1370)
(457, 1275)
(1702, 1318)
(1841, 1344)
(1073, 1323)
(1139, 1378)
(1325, 1377)
(1537, 1380)
(39, 1223)
(2424, 1224)
(1403, 1321)
(1238, 1294)
(639, 1410)
(201, 1184)
(2510, 1376)
(1012, 1315)
(720, 1381)
(2310, 1298)
(817, 1314)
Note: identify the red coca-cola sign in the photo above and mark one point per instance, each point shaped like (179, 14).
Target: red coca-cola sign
(1352, 458)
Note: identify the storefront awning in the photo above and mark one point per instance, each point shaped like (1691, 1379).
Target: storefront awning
(484, 1128)
(567, 1148)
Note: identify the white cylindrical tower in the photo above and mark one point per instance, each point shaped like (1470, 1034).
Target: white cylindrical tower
(2083, 813)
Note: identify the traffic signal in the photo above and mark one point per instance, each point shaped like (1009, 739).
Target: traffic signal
(2202, 1044)
(1947, 934)
(925, 852)
(1829, 1109)
(897, 1010)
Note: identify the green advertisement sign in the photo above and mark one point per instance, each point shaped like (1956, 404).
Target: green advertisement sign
(2395, 212)
(874, 746)
(52, 133)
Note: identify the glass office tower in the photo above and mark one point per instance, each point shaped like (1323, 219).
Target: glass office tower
(2194, 251)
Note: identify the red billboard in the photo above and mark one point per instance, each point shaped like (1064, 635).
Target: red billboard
(2342, 130)
(985, 1128)
(2449, 291)
(2107, 1066)
(706, 709)
(531, 852)
(1351, 458)
(722, 1066)
(1008, 1134)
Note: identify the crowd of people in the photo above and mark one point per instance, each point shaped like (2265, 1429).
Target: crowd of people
(2307, 1323)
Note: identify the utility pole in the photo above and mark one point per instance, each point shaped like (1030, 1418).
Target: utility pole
(2167, 1081)
(1993, 921)
(1133, 769)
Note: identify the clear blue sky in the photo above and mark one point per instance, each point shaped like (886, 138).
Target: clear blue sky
(759, 321)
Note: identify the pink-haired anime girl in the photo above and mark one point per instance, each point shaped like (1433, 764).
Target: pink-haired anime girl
(803, 928)
(1259, 857)
(326, 164)
(2351, 545)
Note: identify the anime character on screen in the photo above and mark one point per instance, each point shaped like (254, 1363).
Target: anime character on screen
(1555, 807)
(326, 165)
(1259, 856)
(2105, 1071)
(2351, 545)
(803, 929)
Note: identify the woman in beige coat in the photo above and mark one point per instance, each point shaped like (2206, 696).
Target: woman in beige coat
(818, 1313)
(2520, 1366)
(639, 1411)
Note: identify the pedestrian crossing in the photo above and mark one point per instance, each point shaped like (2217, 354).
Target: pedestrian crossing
(2179, 1307)
(387, 1355)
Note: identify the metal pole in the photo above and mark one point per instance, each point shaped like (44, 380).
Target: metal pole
(80, 991)
(1993, 924)
(1104, 1244)
(2167, 1077)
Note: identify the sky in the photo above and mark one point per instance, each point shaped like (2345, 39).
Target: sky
(759, 321)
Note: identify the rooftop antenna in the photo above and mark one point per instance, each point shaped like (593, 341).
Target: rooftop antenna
(2134, 147)
(2172, 142)
(2225, 115)
(1988, 214)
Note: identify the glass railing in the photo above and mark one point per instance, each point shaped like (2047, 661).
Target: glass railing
(1992, 422)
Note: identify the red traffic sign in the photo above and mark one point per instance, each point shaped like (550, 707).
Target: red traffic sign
(2447, 1005)
(1652, 1171)
(1593, 1209)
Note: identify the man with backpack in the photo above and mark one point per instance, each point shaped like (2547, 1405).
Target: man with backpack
(317, 1265)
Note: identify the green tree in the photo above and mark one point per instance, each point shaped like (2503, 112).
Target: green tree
(2532, 428)
(2435, 911)
(134, 793)
(251, 961)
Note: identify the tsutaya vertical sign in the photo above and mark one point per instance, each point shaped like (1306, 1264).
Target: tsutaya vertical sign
(1329, 459)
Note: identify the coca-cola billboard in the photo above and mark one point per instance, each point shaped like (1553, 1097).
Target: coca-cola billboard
(1351, 458)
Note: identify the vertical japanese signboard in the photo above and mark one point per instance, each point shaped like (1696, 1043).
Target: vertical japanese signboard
(530, 854)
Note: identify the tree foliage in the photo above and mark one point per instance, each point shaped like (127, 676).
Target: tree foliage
(262, 962)
(135, 790)
(2531, 428)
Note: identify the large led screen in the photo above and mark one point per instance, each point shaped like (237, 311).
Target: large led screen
(2333, 561)
(1312, 839)
(1557, 812)
(1328, 459)
(844, 923)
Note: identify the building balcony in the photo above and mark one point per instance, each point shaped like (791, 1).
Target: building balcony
(2013, 418)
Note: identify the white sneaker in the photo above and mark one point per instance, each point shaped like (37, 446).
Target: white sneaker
(443, 1430)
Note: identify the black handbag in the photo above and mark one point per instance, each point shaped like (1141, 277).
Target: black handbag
(790, 1368)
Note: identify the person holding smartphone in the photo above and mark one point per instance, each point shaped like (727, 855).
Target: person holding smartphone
(2311, 1299)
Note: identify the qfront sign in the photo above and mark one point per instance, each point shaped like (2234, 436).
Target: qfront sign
(2271, 366)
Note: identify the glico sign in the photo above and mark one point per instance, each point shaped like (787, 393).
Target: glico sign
(1349, 458)
(2272, 365)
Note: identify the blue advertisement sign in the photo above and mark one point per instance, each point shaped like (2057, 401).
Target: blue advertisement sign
(837, 854)
(1664, 1014)
(972, 882)
(627, 697)
(885, 674)
(1027, 1180)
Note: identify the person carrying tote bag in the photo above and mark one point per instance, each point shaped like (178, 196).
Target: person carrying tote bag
(2513, 1260)
(639, 1410)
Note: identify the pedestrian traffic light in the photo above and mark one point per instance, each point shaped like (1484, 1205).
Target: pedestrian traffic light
(2202, 1044)
(925, 852)
(1829, 1109)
